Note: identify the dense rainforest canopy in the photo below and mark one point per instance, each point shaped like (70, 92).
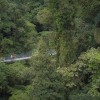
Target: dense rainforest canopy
(71, 28)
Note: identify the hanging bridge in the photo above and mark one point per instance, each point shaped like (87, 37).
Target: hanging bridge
(23, 56)
(16, 57)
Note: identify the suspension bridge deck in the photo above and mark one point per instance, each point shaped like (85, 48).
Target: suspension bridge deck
(24, 56)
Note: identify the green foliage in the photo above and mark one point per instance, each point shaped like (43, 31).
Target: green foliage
(19, 95)
(13, 77)
(47, 83)
(16, 73)
(44, 16)
(69, 27)
(18, 33)
(83, 75)
(3, 77)
(83, 96)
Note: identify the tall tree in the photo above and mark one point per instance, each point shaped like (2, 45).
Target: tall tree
(47, 83)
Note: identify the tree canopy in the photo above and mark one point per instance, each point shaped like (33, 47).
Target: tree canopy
(63, 37)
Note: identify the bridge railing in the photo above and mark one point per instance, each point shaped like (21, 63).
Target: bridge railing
(23, 56)
(15, 56)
